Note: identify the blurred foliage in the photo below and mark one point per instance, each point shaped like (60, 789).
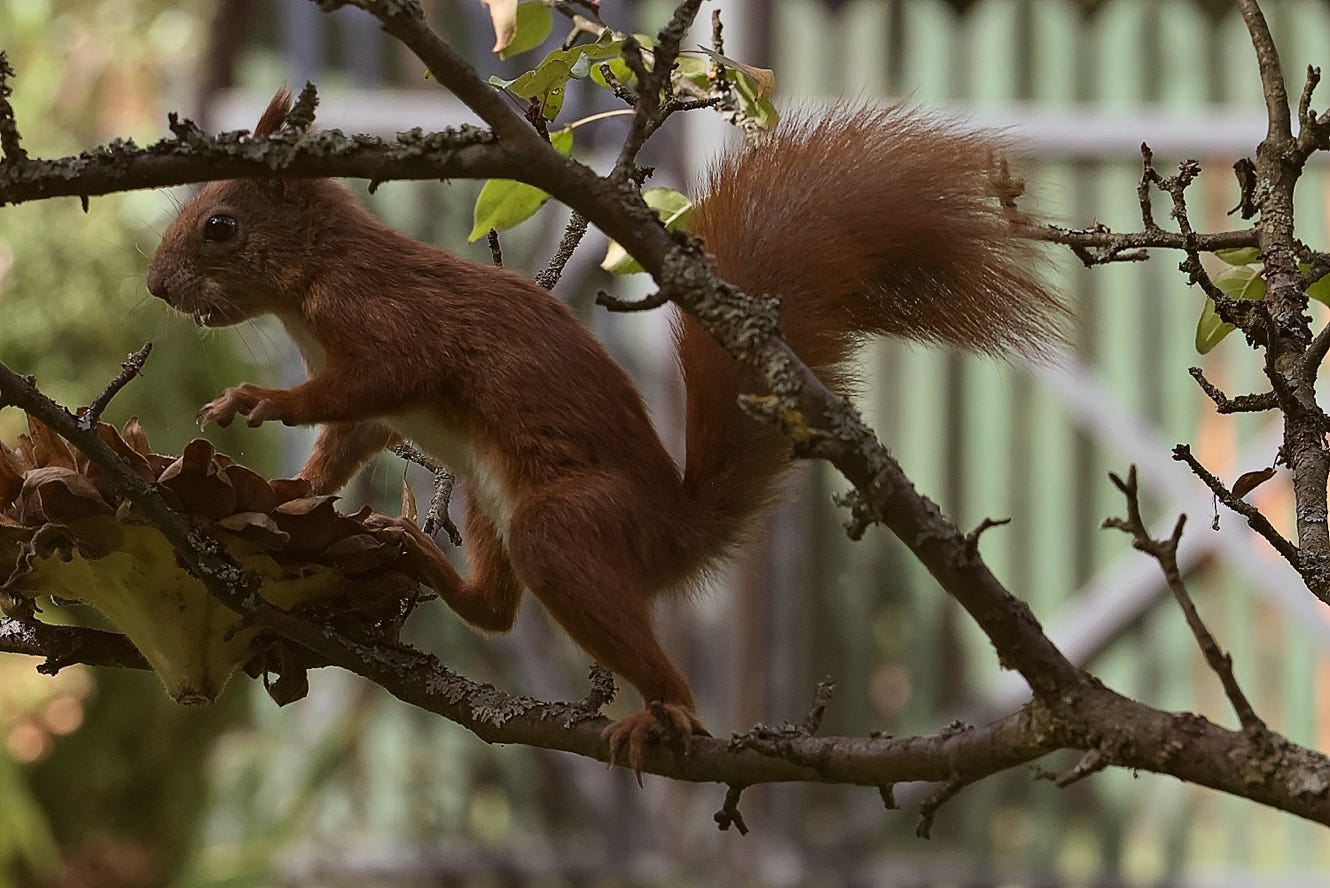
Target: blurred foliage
(71, 285)
(102, 777)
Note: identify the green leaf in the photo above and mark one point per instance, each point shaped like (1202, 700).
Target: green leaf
(618, 67)
(504, 203)
(1320, 291)
(549, 79)
(534, 22)
(1210, 329)
(1236, 282)
(1240, 255)
(546, 80)
(674, 209)
(1240, 282)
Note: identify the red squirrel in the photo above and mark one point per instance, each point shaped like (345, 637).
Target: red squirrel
(867, 221)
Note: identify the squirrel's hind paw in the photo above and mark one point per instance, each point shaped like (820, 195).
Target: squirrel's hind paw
(658, 722)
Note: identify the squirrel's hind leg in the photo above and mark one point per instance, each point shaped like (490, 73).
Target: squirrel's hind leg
(572, 547)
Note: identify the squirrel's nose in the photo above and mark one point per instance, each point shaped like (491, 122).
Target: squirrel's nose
(157, 283)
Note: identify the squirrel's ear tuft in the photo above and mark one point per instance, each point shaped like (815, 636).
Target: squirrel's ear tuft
(274, 114)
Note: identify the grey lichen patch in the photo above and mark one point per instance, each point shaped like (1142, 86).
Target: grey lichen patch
(1309, 783)
(493, 707)
(416, 143)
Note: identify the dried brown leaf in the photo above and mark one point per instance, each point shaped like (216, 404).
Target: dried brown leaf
(255, 527)
(11, 481)
(288, 489)
(253, 493)
(48, 448)
(135, 437)
(1249, 481)
(60, 495)
(311, 521)
(195, 479)
(408, 500)
(360, 552)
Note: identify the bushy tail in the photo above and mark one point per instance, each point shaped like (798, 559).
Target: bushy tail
(863, 221)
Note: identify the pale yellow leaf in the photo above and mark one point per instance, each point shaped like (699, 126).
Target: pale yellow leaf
(504, 15)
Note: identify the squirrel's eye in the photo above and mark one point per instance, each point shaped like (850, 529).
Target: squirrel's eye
(220, 227)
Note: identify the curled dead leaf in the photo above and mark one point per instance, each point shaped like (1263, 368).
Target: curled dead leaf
(196, 480)
(360, 552)
(136, 460)
(133, 435)
(59, 495)
(256, 528)
(287, 489)
(48, 448)
(11, 480)
(1249, 481)
(313, 523)
(253, 493)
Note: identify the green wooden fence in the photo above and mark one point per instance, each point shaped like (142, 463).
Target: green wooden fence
(983, 439)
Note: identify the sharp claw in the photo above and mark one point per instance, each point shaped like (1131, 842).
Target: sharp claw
(658, 722)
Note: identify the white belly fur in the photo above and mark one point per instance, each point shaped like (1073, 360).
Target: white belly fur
(484, 484)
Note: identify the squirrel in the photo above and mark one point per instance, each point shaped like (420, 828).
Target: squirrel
(862, 221)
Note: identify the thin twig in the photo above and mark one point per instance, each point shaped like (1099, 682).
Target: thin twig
(1099, 240)
(572, 236)
(729, 815)
(1241, 404)
(1257, 521)
(930, 806)
(10, 141)
(436, 516)
(1166, 553)
(646, 303)
(131, 368)
(1092, 762)
(812, 723)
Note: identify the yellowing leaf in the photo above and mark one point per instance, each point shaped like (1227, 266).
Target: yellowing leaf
(503, 13)
(531, 27)
(764, 79)
(409, 510)
(1239, 255)
(674, 209)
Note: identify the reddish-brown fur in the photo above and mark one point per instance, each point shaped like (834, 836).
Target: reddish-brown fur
(867, 222)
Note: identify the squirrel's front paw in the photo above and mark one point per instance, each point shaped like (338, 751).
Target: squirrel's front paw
(244, 399)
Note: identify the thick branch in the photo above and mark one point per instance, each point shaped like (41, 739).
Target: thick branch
(64, 645)
(466, 152)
